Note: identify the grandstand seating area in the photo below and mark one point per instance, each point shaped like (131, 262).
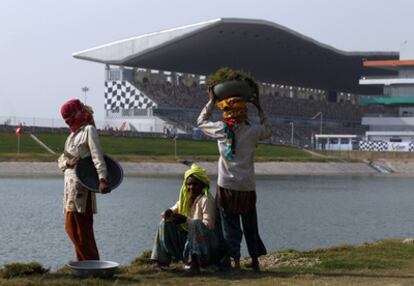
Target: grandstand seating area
(346, 111)
(167, 95)
(181, 96)
(180, 105)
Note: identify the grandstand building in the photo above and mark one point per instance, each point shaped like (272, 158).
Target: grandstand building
(393, 130)
(156, 82)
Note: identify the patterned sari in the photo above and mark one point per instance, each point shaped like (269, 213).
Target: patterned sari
(172, 240)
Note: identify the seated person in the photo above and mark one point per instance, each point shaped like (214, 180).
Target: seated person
(187, 230)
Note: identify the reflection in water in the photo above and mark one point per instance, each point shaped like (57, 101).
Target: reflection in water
(294, 212)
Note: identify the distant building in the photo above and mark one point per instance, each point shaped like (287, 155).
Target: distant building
(336, 142)
(387, 130)
(157, 80)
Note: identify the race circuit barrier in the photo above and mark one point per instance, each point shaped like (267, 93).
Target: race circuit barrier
(382, 146)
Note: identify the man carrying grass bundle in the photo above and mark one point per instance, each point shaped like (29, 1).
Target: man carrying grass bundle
(237, 137)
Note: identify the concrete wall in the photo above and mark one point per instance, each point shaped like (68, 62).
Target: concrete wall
(143, 124)
(364, 155)
(388, 121)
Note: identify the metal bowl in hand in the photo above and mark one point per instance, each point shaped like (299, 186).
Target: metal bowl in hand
(232, 88)
(88, 177)
(93, 268)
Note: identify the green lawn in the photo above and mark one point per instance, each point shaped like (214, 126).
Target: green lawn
(133, 148)
(8, 143)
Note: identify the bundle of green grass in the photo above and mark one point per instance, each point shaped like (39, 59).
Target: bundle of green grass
(226, 82)
(225, 74)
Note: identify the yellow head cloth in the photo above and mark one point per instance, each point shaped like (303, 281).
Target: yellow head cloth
(233, 108)
(200, 174)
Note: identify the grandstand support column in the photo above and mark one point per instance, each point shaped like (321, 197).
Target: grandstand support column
(174, 78)
(107, 74)
(121, 76)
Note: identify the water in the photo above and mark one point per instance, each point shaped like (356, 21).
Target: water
(294, 212)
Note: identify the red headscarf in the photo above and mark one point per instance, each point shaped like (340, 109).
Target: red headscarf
(76, 114)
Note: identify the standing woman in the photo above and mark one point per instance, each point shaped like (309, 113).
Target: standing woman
(237, 139)
(80, 204)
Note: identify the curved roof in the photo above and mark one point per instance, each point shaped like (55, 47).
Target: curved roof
(270, 52)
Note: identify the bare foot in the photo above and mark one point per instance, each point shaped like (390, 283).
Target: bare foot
(254, 265)
(236, 265)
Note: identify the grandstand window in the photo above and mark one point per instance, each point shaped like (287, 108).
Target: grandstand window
(395, 140)
(114, 75)
(112, 112)
(128, 74)
(333, 140)
(344, 140)
(126, 112)
(140, 112)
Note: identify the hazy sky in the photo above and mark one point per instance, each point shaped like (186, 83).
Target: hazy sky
(38, 37)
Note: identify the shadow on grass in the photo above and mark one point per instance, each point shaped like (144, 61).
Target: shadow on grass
(249, 274)
(148, 276)
(117, 278)
(367, 275)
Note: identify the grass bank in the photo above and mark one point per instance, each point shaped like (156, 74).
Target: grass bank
(141, 149)
(387, 262)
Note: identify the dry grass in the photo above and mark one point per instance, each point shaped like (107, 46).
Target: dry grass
(381, 263)
(14, 270)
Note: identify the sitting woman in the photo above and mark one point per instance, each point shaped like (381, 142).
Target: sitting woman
(186, 231)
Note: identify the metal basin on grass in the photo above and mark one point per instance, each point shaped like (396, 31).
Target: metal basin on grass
(93, 268)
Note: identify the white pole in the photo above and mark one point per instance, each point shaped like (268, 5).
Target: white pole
(320, 122)
(85, 89)
(313, 141)
(291, 132)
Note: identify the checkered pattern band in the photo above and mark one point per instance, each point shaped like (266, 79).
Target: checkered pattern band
(123, 95)
(373, 146)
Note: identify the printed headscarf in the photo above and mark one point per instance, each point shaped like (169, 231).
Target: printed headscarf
(184, 206)
(76, 114)
(234, 113)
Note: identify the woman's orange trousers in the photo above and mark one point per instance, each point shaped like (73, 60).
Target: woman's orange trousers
(79, 227)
